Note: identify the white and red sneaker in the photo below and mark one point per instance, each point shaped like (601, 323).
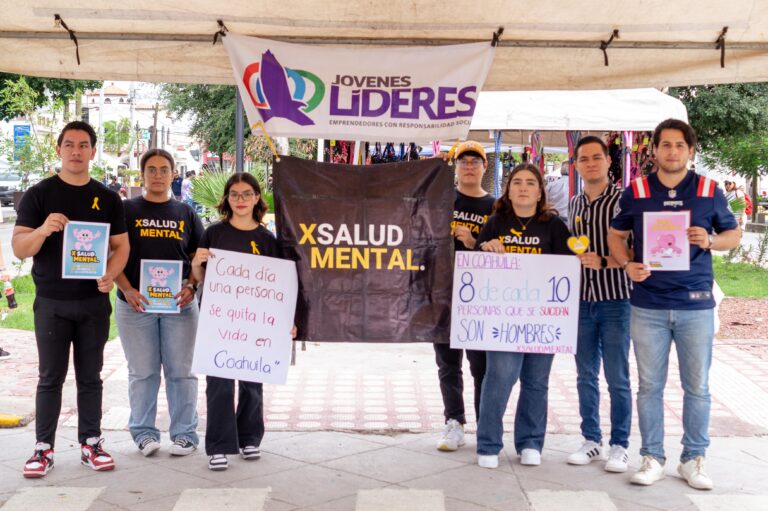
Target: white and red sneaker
(92, 455)
(41, 461)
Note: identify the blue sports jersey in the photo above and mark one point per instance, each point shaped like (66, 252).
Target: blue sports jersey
(684, 290)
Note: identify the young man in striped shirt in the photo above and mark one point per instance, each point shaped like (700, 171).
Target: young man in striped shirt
(603, 312)
(673, 305)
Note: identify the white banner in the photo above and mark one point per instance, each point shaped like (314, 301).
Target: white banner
(414, 94)
(246, 317)
(515, 302)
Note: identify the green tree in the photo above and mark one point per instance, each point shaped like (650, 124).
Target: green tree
(212, 111)
(117, 135)
(731, 122)
(38, 152)
(57, 90)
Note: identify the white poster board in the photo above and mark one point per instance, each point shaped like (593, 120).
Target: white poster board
(515, 302)
(246, 316)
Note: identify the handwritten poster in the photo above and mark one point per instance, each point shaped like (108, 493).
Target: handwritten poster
(246, 316)
(160, 282)
(85, 249)
(665, 242)
(515, 302)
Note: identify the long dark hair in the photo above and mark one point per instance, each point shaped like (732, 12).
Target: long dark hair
(544, 210)
(156, 152)
(225, 210)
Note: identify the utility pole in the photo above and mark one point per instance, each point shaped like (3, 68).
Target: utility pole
(153, 136)
(239, 133)
(100, 142)
(132, 155)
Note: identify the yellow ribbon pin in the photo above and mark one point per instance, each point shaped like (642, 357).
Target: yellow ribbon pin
(254, 248)
(578, 245)
(95, 204)
(181, 226)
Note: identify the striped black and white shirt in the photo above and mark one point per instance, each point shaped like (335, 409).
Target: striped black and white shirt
(596, 216)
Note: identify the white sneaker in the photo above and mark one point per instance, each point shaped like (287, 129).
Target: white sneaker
(649, 472)
(488, 460)
(693, 472)
(453, 436)
(618, 459)
(588, 451)
(530, 457)
(218, 462)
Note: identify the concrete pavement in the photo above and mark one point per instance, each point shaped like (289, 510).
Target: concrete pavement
(355, 428)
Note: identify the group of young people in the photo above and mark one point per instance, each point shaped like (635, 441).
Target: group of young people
(75, 313)
(620, 299)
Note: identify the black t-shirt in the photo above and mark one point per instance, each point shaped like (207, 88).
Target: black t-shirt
(257, 241)
(471, 212)
(167, 230)
(550, 237)
(92, 202)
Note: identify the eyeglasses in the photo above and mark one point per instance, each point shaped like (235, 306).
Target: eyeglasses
(163, 171)
(246, 196)
(470, 162)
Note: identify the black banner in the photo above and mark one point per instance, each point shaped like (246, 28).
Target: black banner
(373, 248)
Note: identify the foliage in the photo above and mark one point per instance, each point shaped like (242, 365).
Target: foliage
(38, 153)
(208, 188)
(99, 171)
(22, 317)
(718, 112)
(737, 205)
(117, 135)
(57, 90)
(741, 279)
(211, 109)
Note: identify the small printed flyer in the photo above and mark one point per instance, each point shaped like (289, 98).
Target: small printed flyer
(665, 242)
(160, 282)
(86, 246)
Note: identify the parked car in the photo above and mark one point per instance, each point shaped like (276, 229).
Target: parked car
(9, 183)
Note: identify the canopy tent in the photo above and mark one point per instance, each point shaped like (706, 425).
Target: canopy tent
(546, 45)
(552, 113)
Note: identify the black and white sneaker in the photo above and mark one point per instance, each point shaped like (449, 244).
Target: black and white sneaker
(148, 446)
(4, 354)
(250, 452)
(218, 462)
(588, 452)
(181, 447)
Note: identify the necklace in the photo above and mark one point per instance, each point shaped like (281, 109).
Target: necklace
(523, 225)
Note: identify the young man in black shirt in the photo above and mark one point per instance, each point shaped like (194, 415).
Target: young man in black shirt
(471, 209)
(68, 312)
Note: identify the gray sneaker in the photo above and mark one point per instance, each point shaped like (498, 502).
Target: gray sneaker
(148, 446)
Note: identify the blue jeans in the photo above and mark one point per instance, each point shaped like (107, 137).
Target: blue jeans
(652, 334)
(604, 333)
(502, 371)
(155, 341)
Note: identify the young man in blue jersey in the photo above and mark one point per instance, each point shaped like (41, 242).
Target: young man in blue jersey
(674, 306)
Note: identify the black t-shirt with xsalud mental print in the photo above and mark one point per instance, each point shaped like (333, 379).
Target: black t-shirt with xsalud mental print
(257, 241)
(550, 237)
(471, 212)
(167, 230)
(91, 202)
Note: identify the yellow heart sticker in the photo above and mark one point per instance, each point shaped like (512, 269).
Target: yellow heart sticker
(578, 245)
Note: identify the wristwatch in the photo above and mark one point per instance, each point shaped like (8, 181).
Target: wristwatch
(711, 241)
(191, 286)
(603, 263)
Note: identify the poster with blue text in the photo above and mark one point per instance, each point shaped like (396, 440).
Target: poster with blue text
(86, 246)
(160, 282)
(246, 316)
(515, 302)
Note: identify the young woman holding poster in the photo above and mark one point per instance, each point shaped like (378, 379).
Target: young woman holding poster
(230, 431)
(522, 223)
(159, 228)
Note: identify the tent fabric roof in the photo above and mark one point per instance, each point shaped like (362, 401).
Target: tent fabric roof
(593, 110)
(546, 45)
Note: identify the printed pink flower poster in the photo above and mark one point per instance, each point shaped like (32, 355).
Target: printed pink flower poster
(665, 243)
